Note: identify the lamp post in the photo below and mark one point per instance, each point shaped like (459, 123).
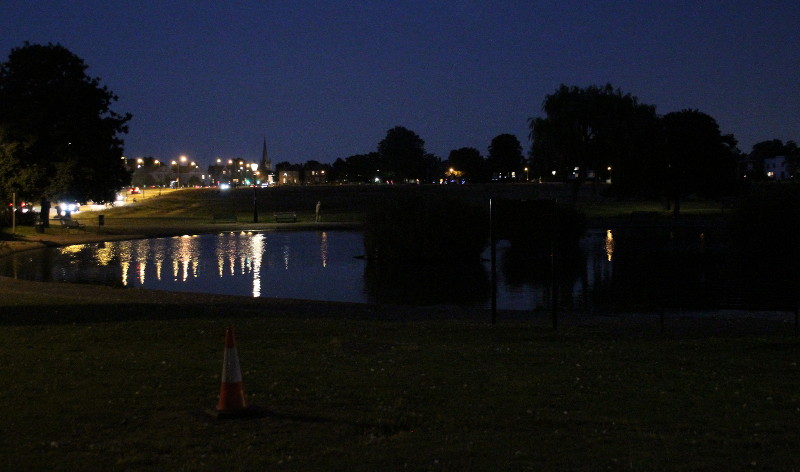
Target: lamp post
(178, 164)
(181, 161)
(254, 167)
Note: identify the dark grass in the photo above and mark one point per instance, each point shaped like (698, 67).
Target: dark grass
(106, 379)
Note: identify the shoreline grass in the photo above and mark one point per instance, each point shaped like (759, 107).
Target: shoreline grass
(344, 394)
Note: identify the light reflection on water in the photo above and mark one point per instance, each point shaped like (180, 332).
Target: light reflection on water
(608, 268)
(306, 264)
(609, 245)
(316, 265)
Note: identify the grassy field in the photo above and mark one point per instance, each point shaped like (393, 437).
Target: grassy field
(101, 378)
(128, 389)
(113, 379)
(350, 202)
(167, 211)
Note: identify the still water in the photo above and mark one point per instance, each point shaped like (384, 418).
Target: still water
(607, 269)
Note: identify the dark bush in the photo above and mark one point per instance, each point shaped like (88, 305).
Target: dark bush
(23, 219)
(765, 228)
(413, 229)
(535, 225)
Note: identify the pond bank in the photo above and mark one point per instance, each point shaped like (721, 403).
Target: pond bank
(56, 236)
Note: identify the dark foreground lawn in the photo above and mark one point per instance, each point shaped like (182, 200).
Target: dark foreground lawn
(119, 379)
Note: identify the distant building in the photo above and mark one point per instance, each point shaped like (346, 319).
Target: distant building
(315, 176)
(776, 168)
(288, 177)
(234, 172)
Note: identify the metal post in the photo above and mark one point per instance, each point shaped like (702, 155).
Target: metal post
(255, 205)
(554, 264)
(493, 243)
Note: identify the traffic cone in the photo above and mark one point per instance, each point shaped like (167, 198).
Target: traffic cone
(231, 391)
(232, 402)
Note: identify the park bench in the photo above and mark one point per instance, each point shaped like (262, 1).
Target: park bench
(224, 218)
(285, 217)
(69, 223)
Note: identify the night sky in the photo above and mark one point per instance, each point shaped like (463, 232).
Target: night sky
(326, 79)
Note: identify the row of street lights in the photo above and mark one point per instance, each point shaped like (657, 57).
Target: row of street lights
(182, 160)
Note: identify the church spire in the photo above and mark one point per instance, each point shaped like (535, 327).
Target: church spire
(265, 162)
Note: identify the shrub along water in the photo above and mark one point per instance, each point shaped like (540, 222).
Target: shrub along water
(765, 230)
(416, 229)
(536, 227)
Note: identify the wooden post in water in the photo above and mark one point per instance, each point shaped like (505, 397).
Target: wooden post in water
(554, 264)
(493, 244)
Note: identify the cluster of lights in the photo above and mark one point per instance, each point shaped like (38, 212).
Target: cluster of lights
(242, 166)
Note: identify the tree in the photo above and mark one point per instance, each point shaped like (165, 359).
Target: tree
(699, 158)
(59, 137)
(505, 155)
(359, 168)
(287, 166)
(597, 129)
(792, 157)
(469, 162)
(402, 156)
(432, 168)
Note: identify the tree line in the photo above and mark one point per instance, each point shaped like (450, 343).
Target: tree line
(60, 139)
(604, 134)
(401, 157)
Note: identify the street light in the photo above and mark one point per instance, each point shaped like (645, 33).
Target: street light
(178, 164)
(254, 168)
(182, 161)
(526, 174)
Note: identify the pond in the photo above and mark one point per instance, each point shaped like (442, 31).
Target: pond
(607, 270)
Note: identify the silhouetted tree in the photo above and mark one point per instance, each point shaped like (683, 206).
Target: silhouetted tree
(58, 135)
(505, 156)
(699, 158)
(339, 170)
(793, 158)
(358, 168)
(595, 129)
(286, 165)
(432, 168)
(469, 162)
(402, 155)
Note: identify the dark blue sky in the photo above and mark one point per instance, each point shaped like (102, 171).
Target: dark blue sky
(327, 79)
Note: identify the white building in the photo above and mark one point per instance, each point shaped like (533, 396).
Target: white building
(776, 168)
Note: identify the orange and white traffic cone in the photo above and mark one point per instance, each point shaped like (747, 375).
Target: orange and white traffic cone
(232, 401)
